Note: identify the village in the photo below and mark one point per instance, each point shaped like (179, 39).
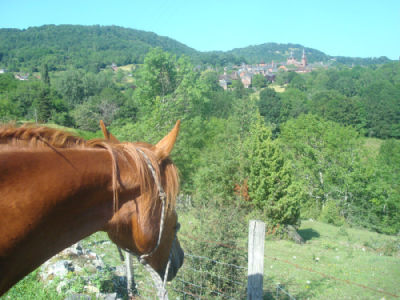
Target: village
(245, 73)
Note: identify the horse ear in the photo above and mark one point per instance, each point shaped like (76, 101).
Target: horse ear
(164, 147)
(107, 135)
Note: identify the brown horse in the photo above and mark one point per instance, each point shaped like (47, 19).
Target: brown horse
(56, 188)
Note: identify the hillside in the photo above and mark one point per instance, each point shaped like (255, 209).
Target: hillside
(94, 47)
(81, 46)
(280, 52)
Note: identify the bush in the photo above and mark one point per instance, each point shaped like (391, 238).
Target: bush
(331, 214)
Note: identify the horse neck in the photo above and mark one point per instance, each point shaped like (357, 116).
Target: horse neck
(49, 201)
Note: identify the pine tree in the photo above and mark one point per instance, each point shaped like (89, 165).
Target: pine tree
(270, 183)
(44, 74)
(44, 105)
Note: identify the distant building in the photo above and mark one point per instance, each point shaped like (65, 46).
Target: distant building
(292, 61)
(22, 77)
(225, 81)
(270, 77)
(283, 68)
(304, 59)
(246, 79)
(114, 67)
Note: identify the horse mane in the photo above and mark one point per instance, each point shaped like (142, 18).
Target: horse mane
(31, 136)
(35, 138)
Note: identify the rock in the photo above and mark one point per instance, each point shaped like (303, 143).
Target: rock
(91, 255)
(112, 296)
(294, 235)
(78, 297)
(120, 270)
(57, 269)
(90, 268)
(78, 269)
(92, 289)
(61, 286)
(76, 249)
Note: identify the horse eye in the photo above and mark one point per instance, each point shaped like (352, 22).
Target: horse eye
(177, 227)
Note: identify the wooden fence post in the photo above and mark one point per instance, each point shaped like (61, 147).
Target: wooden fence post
(255, 260)
(129, 275)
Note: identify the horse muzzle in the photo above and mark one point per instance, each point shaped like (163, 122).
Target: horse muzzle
(176, 256)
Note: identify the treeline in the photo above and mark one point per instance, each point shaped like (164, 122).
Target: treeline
(90, 47)
(280, 52)
(303, 153)
(93, 48)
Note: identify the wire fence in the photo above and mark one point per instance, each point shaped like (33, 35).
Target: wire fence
(202, 277)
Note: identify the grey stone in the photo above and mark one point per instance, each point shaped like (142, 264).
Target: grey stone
(78, 297)
(112, 296)
(59, 269)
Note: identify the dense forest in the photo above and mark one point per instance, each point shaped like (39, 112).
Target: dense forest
(325, 147)
(95, 47)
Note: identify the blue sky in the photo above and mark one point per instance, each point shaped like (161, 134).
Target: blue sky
(368, 28)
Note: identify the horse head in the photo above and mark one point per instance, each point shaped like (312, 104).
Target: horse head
(146, 223)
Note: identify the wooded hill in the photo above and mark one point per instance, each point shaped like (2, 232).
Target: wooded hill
(280, 52)
(94, 47)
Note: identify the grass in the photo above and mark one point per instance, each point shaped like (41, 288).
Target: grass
(278, 88)
(372, 146)
(31, 287)
(127, 68)
(335, 263)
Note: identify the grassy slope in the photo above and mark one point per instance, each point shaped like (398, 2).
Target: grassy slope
(334, 263)
(358, 256)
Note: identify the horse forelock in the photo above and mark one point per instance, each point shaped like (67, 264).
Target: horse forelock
(166, 174)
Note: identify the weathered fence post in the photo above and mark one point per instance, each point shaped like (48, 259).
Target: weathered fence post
(255, 260)
(129, 275)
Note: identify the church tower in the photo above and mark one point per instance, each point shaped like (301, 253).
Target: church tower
(304, 59)
(291, 60)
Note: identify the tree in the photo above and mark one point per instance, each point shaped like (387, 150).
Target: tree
(382, 109)
(259, 81)
(331, 105)
(327, 164)
(156, 78)
(270, 105)
(44, 74)
(44, 105)
(270, 181)
(388, 170)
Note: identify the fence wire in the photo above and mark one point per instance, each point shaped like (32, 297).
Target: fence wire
(199, 278)
(202, 277)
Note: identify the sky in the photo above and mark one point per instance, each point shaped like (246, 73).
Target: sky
(356, 28)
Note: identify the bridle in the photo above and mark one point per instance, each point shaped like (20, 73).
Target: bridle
(159, 282)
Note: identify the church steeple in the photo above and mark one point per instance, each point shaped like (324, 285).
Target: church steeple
(304, 59)
(291, 60)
